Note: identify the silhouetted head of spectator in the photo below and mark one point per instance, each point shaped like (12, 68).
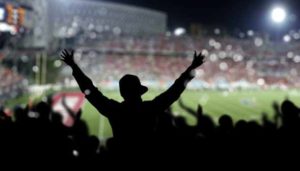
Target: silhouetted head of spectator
(131, 88)
(20, 114)
(44, 110)
(290, 112)
(289, 108)
(226, 122)
(241, 126)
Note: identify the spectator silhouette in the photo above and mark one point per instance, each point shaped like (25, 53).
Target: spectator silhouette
(132, 118)
(290, 118)
(198, 114)
(205, 125)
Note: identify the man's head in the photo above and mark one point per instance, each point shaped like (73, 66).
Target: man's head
(131, 88)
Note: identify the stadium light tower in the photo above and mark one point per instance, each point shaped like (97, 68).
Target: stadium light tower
(278, 14)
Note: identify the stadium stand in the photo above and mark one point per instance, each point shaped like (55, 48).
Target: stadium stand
(248, 62)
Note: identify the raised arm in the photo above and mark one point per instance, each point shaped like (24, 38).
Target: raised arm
(84, 82)
(95, 97)
(69, 110)
(187, 108)
(164, 100)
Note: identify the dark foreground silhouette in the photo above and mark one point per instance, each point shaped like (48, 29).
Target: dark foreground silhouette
(133, 118)
(147, 134)
(37, 135)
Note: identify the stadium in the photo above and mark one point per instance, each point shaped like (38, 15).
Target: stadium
(247, 73)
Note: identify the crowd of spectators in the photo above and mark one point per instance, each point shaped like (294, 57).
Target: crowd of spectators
(251, 61)
(35, 134)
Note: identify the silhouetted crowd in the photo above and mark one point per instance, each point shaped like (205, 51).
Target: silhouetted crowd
(146, 134)
(36, 134)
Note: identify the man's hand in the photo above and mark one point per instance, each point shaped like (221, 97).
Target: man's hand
(198, 60)
(68, 57)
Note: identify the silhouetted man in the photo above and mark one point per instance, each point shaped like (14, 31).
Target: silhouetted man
(133, 118)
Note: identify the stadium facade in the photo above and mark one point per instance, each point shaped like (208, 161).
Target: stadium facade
(104, 16)
(66, 18)
(52, 19)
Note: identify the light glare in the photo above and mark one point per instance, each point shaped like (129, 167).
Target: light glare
(278, 15)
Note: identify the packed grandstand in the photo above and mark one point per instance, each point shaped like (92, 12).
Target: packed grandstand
(232, 61)
(245, 60)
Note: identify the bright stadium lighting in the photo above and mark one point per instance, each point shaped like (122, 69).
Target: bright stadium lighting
(179, 31)
(290, 55)
(296, 36)
(297, 59)
(258, 42)
(35, 69)
(278, 14)
(260, 82)
(217, 31)
(286, 38)
(250, 33)
(57, 63)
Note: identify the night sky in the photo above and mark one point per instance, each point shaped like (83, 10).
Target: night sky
(232, 14)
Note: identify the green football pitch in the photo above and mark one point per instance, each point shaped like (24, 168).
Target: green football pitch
(244, 104)
(247, 105)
